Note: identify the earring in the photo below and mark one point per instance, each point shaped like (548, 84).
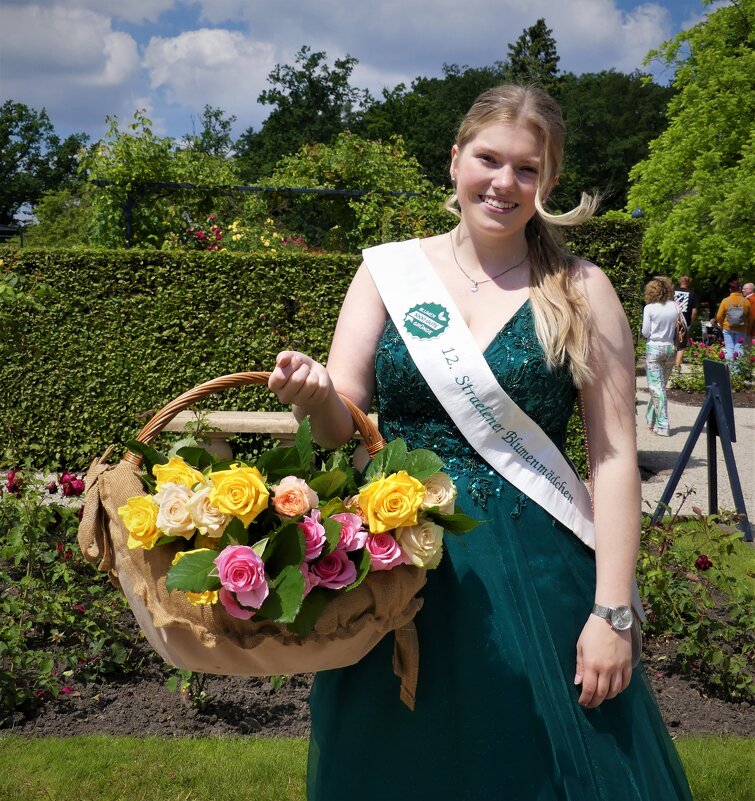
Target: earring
(453, 178)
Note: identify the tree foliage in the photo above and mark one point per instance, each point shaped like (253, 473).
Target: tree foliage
(33, 159)
(697, 186)
(533, 58)
(312, 102)
(350, 223)
(427, 115)
(214, 137)
(610, 119)
(131, 163)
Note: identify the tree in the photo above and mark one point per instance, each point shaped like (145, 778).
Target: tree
(533, 58)
(32, 157)
(427, 115)
(696, 188)
(610, 120)
(130, 205)
(215, 138)
(312, 102)
(350, 223)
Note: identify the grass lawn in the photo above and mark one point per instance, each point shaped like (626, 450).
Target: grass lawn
(235, 769)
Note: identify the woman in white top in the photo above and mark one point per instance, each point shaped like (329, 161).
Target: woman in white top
(659, 328)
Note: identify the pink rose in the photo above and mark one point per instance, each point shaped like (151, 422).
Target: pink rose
(229, 604)
(353, 533)
(311, 580)
(242, 571)
(314, 535)
(385, 552)
(334, 571)
(293, 497)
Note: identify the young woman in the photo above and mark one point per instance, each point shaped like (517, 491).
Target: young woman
(526, 690)
(659, 328)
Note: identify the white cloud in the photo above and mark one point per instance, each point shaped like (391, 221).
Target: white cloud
(218, 67)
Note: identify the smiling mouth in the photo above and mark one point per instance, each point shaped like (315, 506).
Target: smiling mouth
(498, 204)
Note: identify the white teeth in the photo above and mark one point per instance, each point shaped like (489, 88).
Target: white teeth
(499, 204)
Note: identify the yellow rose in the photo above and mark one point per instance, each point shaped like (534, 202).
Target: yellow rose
(139, 515)
(177, 471)
(202, 598)
(240, 492)
(392, 501)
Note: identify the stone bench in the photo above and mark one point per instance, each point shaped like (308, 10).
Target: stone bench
(278, 425)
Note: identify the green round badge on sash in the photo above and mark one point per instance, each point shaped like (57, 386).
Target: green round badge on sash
(427, 320)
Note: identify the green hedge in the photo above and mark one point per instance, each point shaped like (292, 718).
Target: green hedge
(123, 332)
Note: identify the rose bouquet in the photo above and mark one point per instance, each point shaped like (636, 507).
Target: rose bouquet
(279, 538)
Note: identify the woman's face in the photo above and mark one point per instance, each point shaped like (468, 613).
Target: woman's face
(497, 174)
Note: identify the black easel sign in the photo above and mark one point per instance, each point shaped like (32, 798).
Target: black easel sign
(718, 412)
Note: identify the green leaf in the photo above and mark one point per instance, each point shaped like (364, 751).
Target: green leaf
(284, 547)
(332, 532)
(310, 610)
(195, 456)
(235, 534)
(422, 464)
(277, 463)
(457, 523)
(389, 460)
(286, 594)
(148, 453)
(333, 507)
(329, 484)
(192, 572)
(303, 442)
(363, 568)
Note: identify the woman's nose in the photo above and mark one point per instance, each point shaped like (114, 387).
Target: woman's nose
(504, 176)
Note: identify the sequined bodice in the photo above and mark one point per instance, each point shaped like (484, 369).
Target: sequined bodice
(408, 408)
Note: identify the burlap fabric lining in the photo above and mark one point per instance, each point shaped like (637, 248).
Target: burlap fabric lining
(207, 639)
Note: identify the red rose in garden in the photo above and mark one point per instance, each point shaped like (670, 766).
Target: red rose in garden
(703, 562)
(14, 482)
(52, 488)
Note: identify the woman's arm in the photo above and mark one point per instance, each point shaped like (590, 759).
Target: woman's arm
(313, 390)
(646, 322)
(604, 655)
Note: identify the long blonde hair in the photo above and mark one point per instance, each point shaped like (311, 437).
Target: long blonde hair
(560, 310)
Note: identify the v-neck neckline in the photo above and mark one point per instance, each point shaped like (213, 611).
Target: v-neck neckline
(494, 338)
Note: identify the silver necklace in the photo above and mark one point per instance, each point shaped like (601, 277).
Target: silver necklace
(475, 285)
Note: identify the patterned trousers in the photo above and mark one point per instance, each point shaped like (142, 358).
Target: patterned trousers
(659, 359)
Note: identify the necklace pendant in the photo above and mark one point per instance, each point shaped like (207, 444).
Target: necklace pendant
(474, 287)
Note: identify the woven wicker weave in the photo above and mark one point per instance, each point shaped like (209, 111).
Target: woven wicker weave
(205, 638)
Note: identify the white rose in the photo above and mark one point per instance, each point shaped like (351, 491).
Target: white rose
(422, 544)
(173, 517)
(207, 518)
(440, 491)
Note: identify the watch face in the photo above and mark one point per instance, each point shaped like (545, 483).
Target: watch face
(621, 618)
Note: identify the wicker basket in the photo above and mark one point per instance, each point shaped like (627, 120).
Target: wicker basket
(205, 638)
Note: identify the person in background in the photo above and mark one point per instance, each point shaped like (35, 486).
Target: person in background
(734, 317)
(686, 300)
(748, 290)
(659, 328)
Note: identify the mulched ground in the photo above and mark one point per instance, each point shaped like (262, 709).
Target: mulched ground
(743, 400)
(141, 705)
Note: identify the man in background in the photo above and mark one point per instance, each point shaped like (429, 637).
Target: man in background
(748, 290)
(686, 300)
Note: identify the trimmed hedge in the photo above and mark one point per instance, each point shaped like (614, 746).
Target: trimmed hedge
(123, 332)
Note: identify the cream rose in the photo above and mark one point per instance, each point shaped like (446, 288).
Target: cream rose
(440, 491)
(294, 497)
(173, 517)
(207, 518)
(422, 544)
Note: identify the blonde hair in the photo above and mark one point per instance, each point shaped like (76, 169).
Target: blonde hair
(560, 309)
(659, 290)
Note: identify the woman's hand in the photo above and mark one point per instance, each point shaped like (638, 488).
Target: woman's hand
(299, 380)
(604, 662)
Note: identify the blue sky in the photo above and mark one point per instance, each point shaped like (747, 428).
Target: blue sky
(84, 59)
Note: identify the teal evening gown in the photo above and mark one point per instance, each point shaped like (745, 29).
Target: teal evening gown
(496, 712)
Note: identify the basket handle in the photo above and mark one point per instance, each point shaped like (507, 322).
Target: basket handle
(372, 439)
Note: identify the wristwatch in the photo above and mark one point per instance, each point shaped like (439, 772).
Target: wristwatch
(620, 617)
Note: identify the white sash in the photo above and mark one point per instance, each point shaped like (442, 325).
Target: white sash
(442, 347)
(445, 352)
